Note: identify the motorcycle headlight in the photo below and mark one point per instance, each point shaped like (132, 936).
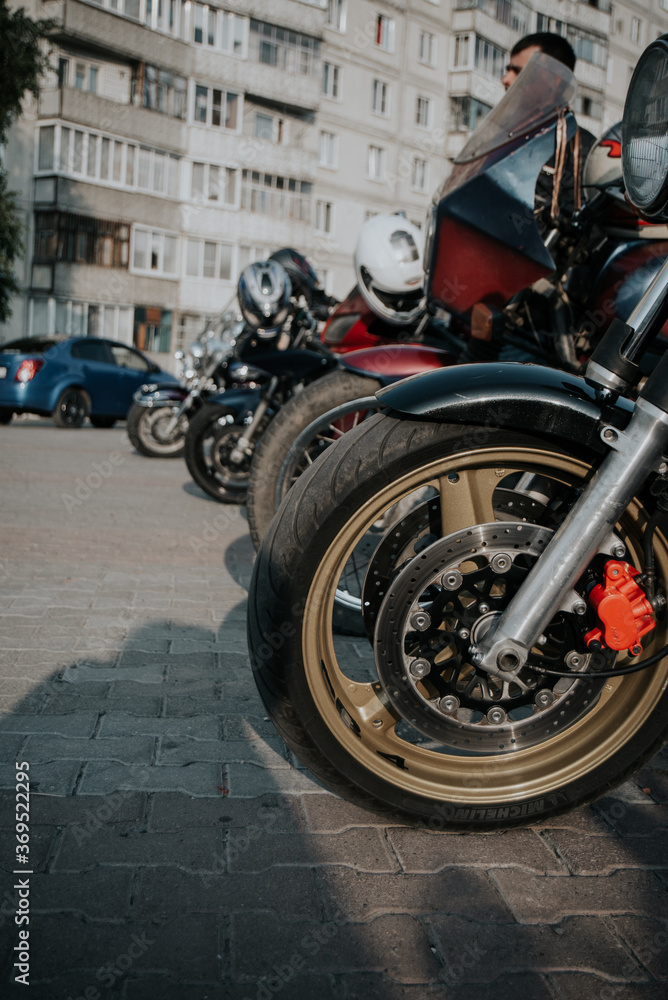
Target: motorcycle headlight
(645, 132)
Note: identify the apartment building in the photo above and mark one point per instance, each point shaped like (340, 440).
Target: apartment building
(175, 141)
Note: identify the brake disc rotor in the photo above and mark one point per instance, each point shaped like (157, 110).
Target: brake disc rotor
(444, 599)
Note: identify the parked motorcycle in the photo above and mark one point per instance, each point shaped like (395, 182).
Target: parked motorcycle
(158, 419)
(517, 663)
(277, 354)
(602, 261)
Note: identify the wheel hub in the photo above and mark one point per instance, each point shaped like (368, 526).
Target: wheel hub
(445, 599)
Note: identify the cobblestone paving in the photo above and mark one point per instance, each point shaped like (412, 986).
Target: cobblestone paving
(179, 852)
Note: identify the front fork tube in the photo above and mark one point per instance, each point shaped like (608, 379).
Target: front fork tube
(244, 446)
(183, 408)
(635, 453)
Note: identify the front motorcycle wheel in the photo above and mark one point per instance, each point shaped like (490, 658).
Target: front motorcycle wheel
(209, 443)
(406, 722)
(153, 433)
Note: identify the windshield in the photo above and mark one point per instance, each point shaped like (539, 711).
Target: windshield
(543, 87)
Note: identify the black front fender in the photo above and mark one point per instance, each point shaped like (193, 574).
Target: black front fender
(517, 396)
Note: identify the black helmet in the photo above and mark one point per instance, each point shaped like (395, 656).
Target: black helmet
(302, 276)
(264, 296)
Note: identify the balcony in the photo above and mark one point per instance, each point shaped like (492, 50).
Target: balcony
(103, 31)
(124, 120)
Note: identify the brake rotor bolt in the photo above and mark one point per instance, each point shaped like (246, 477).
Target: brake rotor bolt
(543, 699)
(574, 660)
(420, 668)
(420, 620)
(501, 563)
(451, 580)
(580, 608)
(496, 715)
(377, 723)
(463, 633)
(483, 608)
(449, 703)
(619, 551)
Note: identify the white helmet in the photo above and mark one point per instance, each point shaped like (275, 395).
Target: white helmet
(388, 265)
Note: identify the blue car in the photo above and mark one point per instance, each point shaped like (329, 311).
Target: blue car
(73, 379)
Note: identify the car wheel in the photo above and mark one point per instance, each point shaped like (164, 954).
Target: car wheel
(102, 421)
(71, 409)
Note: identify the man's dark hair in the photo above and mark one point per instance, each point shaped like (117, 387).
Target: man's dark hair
(550, 43)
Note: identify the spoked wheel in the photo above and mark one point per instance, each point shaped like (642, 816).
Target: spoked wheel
(71, 409)
(406, 720)
(208, 448)
(155, 432)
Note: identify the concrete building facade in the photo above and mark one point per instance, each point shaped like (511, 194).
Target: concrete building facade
(175, 141)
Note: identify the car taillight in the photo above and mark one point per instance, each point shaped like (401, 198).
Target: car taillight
(28, 369)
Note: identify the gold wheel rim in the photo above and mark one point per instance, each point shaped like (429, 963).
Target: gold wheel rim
(358, 717)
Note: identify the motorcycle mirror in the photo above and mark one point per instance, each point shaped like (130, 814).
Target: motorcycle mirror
(645, 133)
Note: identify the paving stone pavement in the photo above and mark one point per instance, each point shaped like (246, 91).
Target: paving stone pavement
(179, 852)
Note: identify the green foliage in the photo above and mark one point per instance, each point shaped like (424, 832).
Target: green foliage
(22, 63)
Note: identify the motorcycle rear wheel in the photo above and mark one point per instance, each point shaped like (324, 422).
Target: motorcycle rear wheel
(326, 699)
(207, 448)
(144, 426)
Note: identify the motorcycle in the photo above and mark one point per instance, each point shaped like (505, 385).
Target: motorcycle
(603, 259)
(158, 419)
(262, 372)
(517, 656)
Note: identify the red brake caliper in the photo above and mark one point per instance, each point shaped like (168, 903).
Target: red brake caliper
(623, 610)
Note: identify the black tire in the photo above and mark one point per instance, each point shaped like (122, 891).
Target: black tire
(207, 447)
(145, 426)
(72, 408)
(325, 698)
(6, 416)
(272, 449)
(102, 422)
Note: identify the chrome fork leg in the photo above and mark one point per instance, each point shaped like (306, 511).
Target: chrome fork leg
(635, 453)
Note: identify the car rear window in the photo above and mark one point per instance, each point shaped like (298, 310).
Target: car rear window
(29, 345)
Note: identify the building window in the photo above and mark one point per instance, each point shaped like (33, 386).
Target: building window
(489, 58)
(427, 48)
(462, 57)
(590, 106)
(206, 259)
(323, 217)
(154, 253)
(636, 30)
(213, 183)
(219, 108)
(85, 74)
(330, 79)
(466, 113)
(287, 50)
(587, 45)
(376, 163)
(107, 160)
(419, 174)
(273, 195)
(423, 112)
(268, 127)
(80, 239)
(380, 101)
(385, 32)
(160, 90)
(328, 150)
(336, 14)
(514, 13)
